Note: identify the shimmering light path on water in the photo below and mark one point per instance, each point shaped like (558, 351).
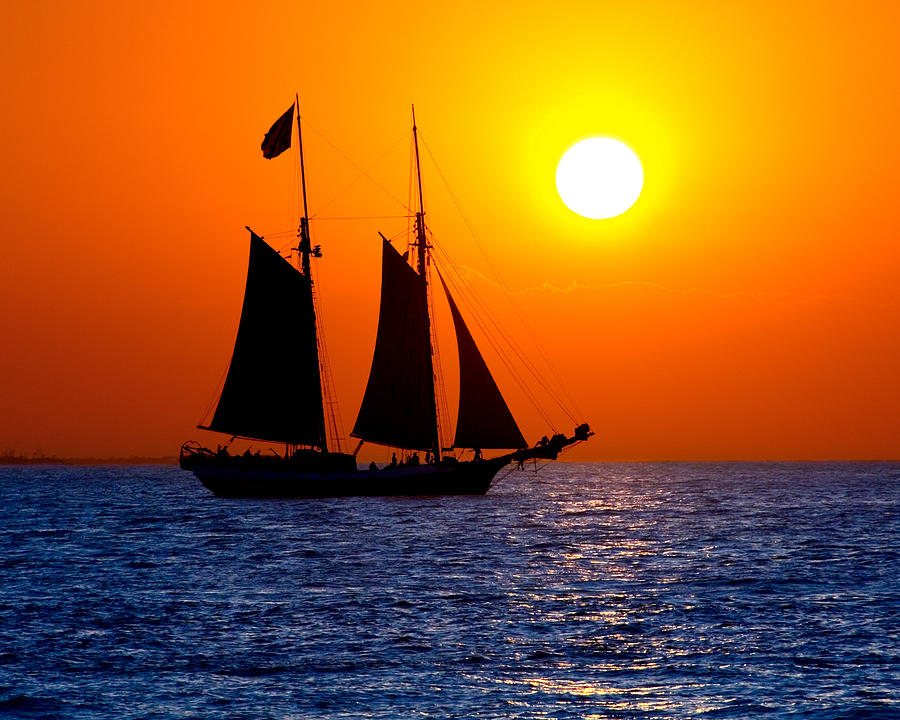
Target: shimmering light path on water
(585, 591)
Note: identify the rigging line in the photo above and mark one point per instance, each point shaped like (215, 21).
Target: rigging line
(440, 396)
(409, 194)
(515, 307)
(329, 391)
(364, 173)
(516, 375)
(499, 277)
(293, 206)
(362, 217)
(544, 465)
(215, 398)
(519, 379)
(479, 307)
(348, 159)
(483, 315)
(461, 293)
(270, 237)
(291, 234)
(397, 236)
(286, 246)
(505, 474)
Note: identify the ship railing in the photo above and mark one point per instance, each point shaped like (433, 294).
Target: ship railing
(193, 449)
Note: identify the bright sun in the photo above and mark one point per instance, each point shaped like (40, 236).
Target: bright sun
(599, 178)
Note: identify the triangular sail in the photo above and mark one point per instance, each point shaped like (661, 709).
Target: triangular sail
(398, 408)
(484, 419)
(277, 329)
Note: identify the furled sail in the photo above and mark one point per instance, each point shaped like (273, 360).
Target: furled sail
(398, 408)
(484, 419)
(272, 390)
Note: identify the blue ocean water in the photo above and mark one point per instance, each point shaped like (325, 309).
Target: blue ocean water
(581, 591)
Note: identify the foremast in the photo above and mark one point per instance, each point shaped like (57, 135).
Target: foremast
(422, 266)
(277, 336)
(305, 249)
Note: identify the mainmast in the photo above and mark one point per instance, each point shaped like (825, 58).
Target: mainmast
(422, 246)
(305, 248)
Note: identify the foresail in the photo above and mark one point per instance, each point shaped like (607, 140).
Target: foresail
(272, 390)
(484, 419)
(398, 408)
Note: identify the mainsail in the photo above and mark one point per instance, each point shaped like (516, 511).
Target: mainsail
(398, 408)
(277, 326)
(484, 419)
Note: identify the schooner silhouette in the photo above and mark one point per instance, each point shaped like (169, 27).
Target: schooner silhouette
(399, 407)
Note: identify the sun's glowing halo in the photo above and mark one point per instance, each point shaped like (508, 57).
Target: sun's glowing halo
(599, 178)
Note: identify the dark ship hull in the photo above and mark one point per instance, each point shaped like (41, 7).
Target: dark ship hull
(265, 477)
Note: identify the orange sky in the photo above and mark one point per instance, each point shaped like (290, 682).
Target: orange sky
(746, 307)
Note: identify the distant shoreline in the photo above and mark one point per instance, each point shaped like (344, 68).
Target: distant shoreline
(11, 460)
(41, 460)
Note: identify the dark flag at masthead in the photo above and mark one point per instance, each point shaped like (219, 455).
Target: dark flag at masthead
(278, 139)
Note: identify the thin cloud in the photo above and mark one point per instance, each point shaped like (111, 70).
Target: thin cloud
(575, 286)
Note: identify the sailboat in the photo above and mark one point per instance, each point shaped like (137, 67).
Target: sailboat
(399, 408)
